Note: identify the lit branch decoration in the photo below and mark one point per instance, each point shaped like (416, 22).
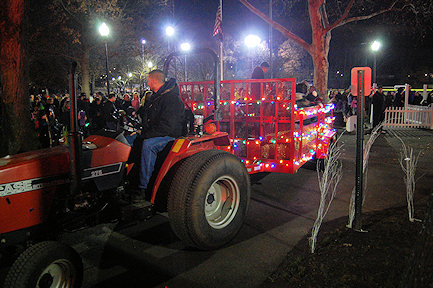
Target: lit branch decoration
(328, 182)
(408, 162)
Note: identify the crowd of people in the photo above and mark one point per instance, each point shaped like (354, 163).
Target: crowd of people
(51, 114)
(346, 104)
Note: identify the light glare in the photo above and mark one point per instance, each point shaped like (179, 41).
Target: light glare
(104, 30)
(252, 40)
(375, 46)
(169, 31)
(185, 46)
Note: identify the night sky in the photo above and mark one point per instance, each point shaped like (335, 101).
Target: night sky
(403, 51)
(196, 20)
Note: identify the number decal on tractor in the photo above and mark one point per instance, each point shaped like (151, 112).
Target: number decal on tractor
(96, 173)
(101, 171)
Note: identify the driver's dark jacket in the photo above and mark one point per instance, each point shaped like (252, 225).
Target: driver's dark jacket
(163, 114)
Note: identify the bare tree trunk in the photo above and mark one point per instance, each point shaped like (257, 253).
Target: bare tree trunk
(319, 47)
(85, 75)
(14, 112)
(321, 65)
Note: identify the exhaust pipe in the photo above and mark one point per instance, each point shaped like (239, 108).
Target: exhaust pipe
(74, 136)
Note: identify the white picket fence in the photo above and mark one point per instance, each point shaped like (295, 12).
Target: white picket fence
(409, 117)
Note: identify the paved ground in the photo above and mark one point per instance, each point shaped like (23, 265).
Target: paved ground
(282, 211)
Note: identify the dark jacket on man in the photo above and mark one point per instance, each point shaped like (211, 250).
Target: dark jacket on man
(399, 98)
(163, 114)
(378, 108)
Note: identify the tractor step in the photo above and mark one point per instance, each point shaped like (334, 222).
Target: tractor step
(137, 211)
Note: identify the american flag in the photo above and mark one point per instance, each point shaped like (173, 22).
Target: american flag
(217, 27)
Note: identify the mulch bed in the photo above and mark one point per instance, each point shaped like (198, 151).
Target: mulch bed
(346, 258)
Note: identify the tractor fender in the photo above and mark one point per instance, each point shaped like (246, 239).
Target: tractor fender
(185, 147)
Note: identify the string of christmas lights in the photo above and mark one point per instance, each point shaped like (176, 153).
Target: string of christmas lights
(283, 149)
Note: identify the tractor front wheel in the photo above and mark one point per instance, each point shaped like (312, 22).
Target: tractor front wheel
(208, 199)
(47, 264)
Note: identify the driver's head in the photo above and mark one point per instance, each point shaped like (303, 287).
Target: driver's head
(155, 80)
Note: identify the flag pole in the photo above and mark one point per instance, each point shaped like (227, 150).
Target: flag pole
(221, 45)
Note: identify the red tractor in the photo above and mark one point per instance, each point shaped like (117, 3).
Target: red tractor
(202, 179)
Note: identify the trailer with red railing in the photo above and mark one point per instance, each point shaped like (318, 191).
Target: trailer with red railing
(267, 132)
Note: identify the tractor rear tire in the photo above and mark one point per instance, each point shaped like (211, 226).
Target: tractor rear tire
(208, 199)
(46, 264)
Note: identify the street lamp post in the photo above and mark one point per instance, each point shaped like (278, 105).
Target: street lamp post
(143, 41)
(270, 40)
(129, 81)
(375, 46)
(104, 30)
(185, 47)
(252, 41)
(169, 31)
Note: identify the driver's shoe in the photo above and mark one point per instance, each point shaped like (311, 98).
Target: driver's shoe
(138, 196)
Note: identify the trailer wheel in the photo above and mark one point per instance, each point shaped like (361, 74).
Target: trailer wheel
(314, 163)
(45, 265)
(208, 199)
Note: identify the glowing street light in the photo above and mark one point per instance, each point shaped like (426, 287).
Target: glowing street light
(143, 41)
(185, 46)
(129, 74)
(149, 64)
(252, 41)
(169, 31)
(375, 47)
(104, 30)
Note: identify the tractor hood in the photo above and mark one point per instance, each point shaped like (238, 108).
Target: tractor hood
(34, 164)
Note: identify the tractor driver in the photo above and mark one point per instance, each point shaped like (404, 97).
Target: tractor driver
(162, 120)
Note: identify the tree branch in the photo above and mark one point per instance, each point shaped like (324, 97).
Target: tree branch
(277, 26)
(324, 16)
(342, 18)
(342, 21)
(69, 12)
